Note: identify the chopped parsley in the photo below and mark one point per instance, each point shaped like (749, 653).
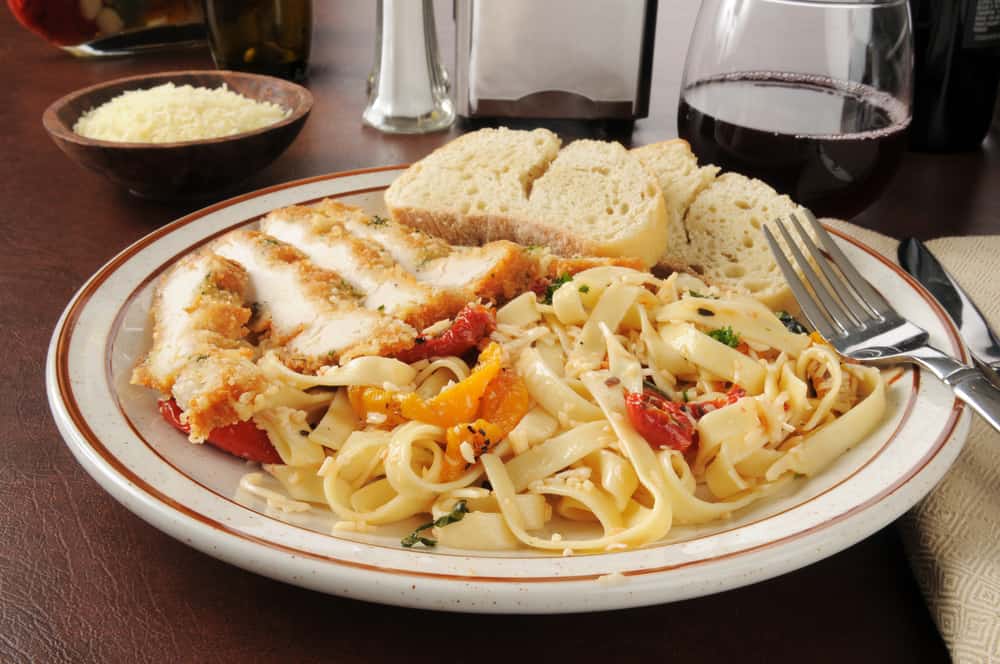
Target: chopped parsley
(456, 514)
(584, 288)
(555, 285)
(208, 286)
(378, 220)
(694, 293)
(726, 335)
(790, 322)
(381, 307)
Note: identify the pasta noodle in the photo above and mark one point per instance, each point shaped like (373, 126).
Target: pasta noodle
(627, 405)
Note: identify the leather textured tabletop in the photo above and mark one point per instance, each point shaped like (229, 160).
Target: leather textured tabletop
(83, 580)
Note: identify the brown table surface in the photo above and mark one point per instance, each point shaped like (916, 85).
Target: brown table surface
(82, 579)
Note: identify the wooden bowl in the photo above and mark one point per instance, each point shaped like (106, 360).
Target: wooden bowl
(189, 169)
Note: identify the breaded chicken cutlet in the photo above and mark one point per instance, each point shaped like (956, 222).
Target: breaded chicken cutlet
(319, 285)
(200, 355)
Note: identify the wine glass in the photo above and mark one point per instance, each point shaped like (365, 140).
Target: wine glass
(813, 97)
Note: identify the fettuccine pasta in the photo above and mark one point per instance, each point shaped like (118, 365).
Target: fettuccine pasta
(629, 403)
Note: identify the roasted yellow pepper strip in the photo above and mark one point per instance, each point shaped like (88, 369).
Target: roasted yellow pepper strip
(480, 410)
(504, 403)
(460, 402)
(368, 399)
(481, 437)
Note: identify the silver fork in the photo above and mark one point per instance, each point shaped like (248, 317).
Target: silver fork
(858, 322)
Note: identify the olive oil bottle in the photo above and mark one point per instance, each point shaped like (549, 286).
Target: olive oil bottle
(261, 36)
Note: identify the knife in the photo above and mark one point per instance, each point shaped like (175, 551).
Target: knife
(983, 344)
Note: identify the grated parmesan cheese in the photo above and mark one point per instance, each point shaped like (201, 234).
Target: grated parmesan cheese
(170, 113)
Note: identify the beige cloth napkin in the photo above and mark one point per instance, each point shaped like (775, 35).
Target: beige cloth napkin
(952, 537)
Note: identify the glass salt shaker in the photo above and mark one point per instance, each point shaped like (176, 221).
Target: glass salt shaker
(408, 87)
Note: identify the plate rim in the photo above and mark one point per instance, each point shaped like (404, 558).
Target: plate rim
(73, 424)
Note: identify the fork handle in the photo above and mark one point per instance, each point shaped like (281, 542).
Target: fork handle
(968, 383)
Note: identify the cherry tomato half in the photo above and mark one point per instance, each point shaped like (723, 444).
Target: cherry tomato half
(663, 423)
(472, 325)
(242, 439)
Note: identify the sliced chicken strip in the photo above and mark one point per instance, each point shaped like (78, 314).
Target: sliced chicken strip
(218, 389)
(199, 354)
(496, 271)
(385, 285)
(197, 308)
(313, 317)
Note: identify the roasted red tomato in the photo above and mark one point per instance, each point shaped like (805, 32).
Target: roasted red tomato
(699, 410)
(242, 439)
(660, 421)
(472, 324)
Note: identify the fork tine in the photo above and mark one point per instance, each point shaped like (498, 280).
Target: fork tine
(823, 292)
(817, 318)
(855, 311)
(867, 295)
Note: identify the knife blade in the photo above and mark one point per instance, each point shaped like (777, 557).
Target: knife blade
(984, 346)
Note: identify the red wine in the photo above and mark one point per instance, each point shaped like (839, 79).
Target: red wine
(956, 73)
(831, 146)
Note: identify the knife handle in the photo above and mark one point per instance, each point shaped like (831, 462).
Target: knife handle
(969, 384)
(975, 389)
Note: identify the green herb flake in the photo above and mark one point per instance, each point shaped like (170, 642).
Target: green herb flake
(726, 335)
(556, 284)
(694, 293)
(651, 386)
(457, 514)
(584, 288)
(381, 307)
(378, 220)
(790, 323)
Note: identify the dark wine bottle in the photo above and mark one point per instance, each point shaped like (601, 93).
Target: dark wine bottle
(956, 73)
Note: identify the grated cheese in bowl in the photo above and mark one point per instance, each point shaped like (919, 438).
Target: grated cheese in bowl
(168, 114)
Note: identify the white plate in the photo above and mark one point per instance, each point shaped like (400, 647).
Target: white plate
(190, 492)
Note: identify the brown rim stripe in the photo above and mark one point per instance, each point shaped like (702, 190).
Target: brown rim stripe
(66, 392)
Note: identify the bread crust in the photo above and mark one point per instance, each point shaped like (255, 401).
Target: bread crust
(475, 229)
(621, 210)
